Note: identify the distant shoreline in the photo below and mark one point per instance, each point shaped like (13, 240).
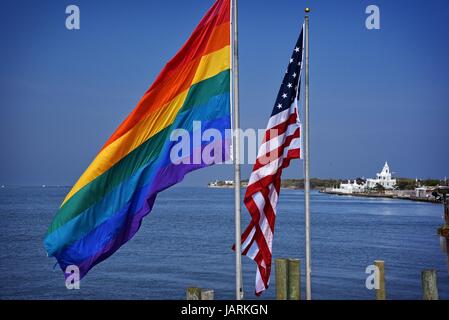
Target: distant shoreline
(293, 184)
(245, 185)
(383, 196)
(327, 186)
(318, 183)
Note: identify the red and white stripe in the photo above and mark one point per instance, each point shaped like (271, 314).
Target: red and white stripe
(280, 145)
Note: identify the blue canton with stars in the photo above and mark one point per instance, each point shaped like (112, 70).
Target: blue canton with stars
(290, 85)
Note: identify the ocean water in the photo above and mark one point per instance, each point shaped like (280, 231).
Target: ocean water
(186, 241)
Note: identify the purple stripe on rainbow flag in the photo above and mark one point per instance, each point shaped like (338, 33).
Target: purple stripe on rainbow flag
(132, 217)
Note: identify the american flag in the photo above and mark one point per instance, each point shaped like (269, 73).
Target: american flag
(281, 144)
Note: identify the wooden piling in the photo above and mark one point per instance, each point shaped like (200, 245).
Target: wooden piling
(294, 279)
(381, 293)
(447, 251)
(446, 220)
(281, 279)
(446, 209)
(429, 284)
(194, 293)
(207, 294)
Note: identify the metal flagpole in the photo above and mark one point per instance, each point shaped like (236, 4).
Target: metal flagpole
(307, 160)
(236, 151)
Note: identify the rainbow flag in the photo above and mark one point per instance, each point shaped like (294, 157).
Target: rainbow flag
(106, 206)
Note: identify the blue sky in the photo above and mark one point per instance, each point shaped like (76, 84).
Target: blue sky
(375, 95)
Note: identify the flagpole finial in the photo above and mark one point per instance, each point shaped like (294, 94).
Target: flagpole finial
(307, 10)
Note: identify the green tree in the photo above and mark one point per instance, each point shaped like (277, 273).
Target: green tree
(405, 184)
(378, 187)
(430, 182)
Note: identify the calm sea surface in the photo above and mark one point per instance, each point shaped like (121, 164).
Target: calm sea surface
(186, 241)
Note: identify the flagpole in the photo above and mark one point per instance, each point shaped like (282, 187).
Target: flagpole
(307, 160)
(236, 150)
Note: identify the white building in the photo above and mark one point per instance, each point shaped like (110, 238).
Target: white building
(218, 183)
(383, 178)
(351, 187)
(421, 192)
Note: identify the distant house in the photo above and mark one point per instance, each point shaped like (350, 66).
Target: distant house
(422, 192)
(220, 183)
(383, 178)
(351, 187)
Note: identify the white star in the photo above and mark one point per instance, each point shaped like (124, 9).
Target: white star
(279, 106)
(284, 95)
(294, 75)
(299, 63)
(291, 60)
(296, 49)
(289, 85)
